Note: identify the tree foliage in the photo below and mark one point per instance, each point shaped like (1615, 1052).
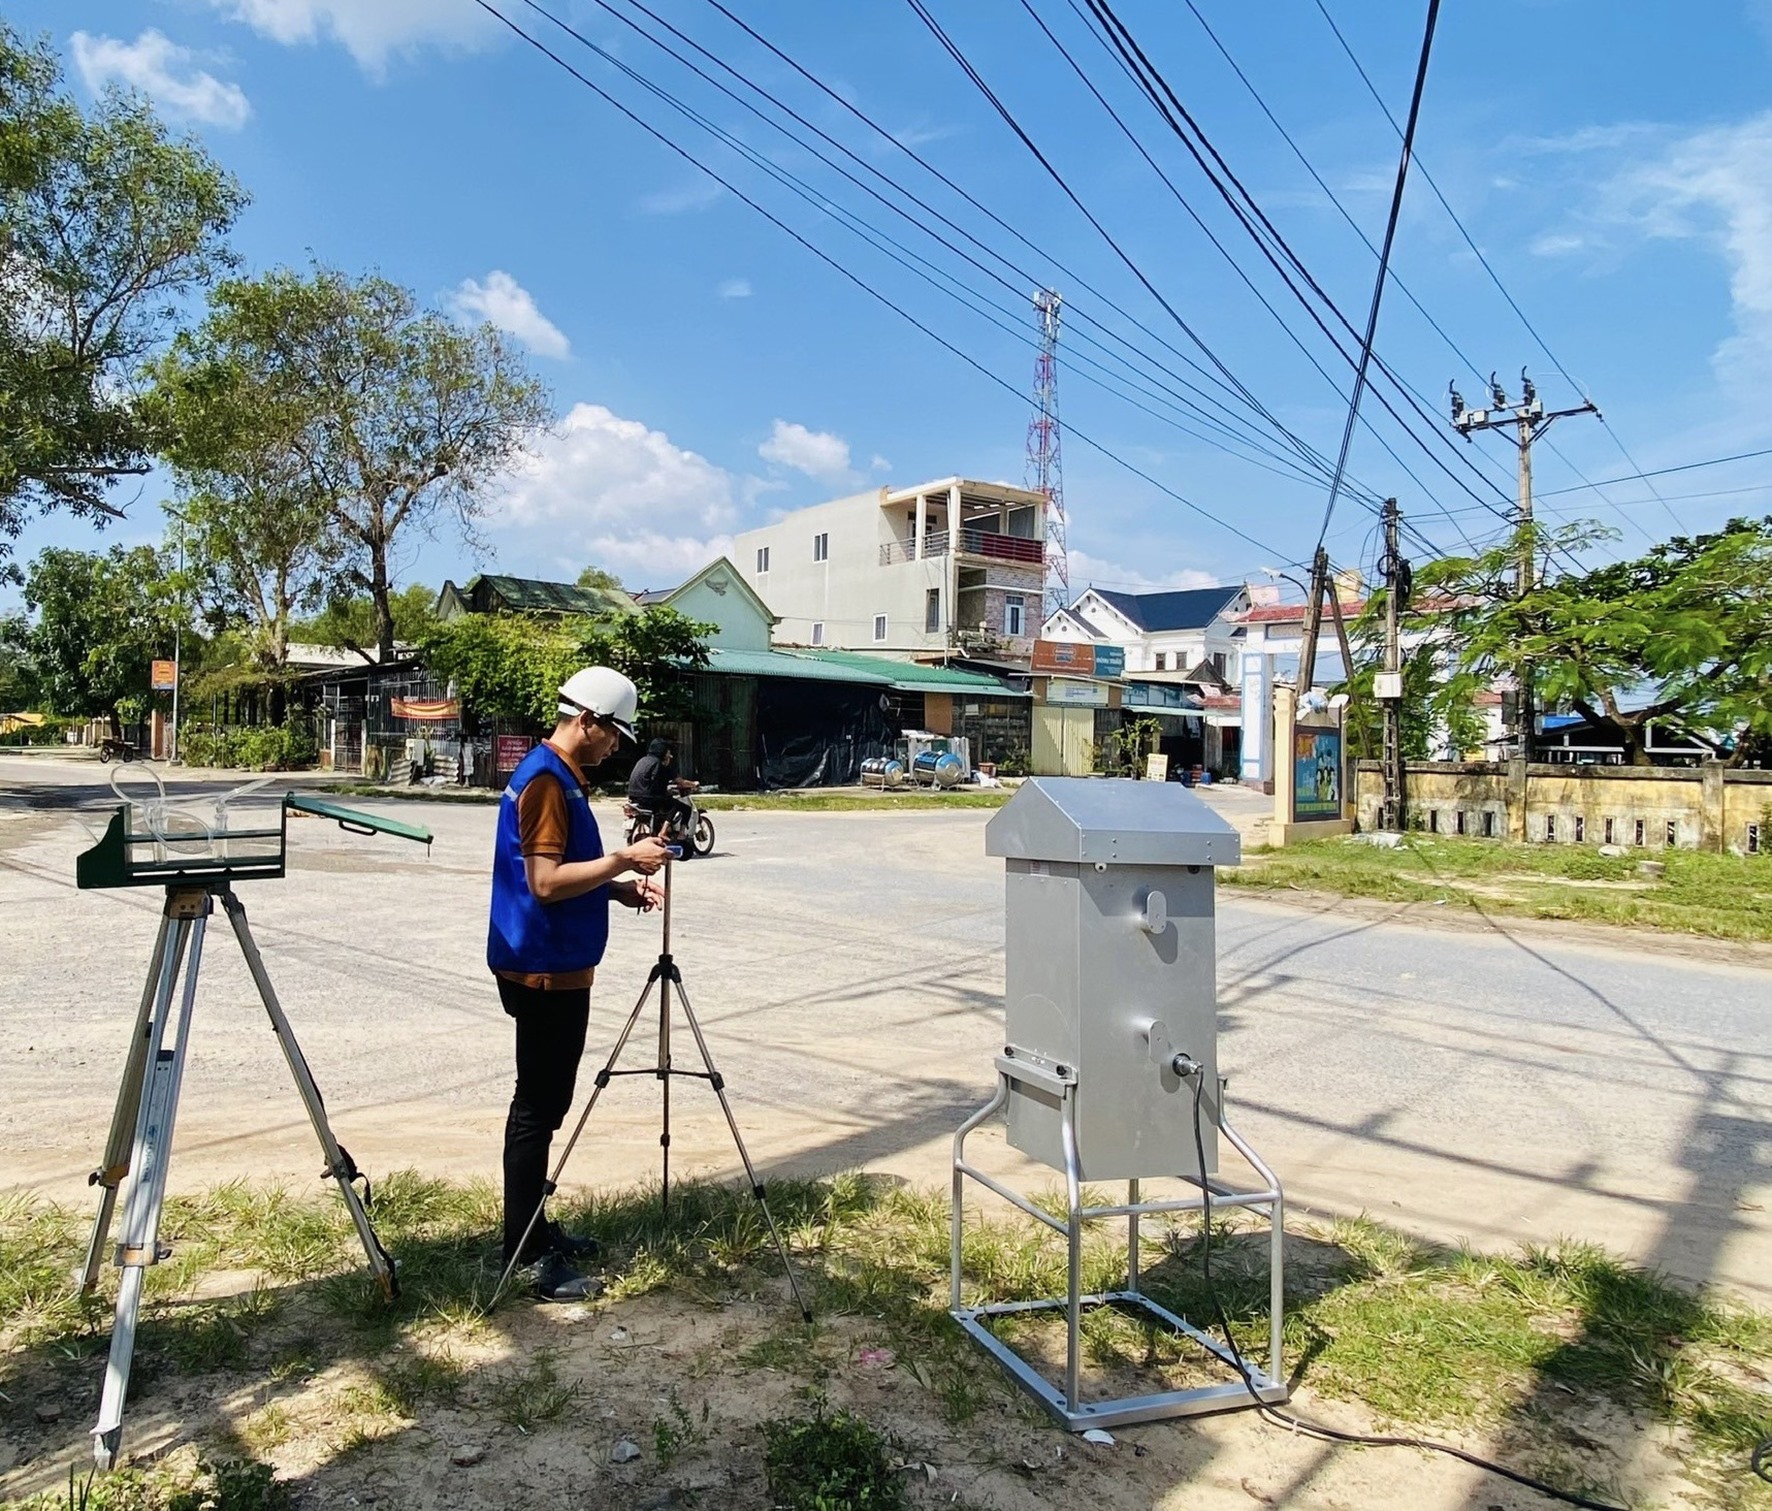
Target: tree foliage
(1681, 636)
(400, 418)
(348, 623)
(509, 667)
(100, 619)
(105, 223)
(600, 577)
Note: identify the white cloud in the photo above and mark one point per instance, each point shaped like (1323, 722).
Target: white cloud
(817, 453)
(508, 305)
(1716, 186)
(614, 492)
(735, 288)
(1558, 244)
(371, 30)
(1085, 570)
(683, 200)
(880, 464)
(165, 72)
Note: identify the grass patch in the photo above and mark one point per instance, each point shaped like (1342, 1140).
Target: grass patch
(1426, 1337)
(184, 1483)
(824, 1462)
(1717, 896)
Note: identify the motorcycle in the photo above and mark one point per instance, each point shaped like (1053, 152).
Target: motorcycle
(695, 833)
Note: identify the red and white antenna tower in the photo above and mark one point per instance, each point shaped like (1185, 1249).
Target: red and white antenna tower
(1045, 463)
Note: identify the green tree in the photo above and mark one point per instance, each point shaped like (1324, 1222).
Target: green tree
(349, 622)
(600, 577)
(509, 667)
(18, 678)
(100, 619)
(256, 529)
(405, 419)
(105, 223)
(1682, 634)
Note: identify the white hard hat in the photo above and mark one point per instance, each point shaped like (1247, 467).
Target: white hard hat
(602, 692)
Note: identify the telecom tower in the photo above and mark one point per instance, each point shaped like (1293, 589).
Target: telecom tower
(1045, 463)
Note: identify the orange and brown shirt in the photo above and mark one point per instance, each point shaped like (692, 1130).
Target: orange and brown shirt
(542, 826)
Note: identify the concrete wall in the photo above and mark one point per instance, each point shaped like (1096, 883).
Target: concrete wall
(1708, 807)
(845, 591)
(716, 600)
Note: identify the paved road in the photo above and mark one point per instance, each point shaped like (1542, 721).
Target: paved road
(1500, 1085)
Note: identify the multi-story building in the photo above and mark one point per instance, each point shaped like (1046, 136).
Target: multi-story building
(949, 566)
(1180, 635)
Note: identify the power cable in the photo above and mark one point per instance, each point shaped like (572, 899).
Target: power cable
(1637, 477)
(1029, 278)
(1235, 266)
(1469, 241)
(1267, 238)
(979, 83)
(996, 219)
(845, 272)
(1329, 194)
(1384, 261)
(1295, 1423)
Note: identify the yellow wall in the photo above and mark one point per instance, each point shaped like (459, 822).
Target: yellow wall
(1710, 808)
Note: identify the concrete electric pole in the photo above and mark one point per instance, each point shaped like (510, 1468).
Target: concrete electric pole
(1389, 683)
(1529, 420)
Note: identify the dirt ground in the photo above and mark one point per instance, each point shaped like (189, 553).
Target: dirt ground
(1453, 1082)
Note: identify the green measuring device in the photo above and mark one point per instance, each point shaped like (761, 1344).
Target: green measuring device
(194, 850)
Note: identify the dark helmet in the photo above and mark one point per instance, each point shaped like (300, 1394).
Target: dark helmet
(660, 748)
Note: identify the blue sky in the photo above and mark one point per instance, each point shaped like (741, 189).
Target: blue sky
(1613, 164)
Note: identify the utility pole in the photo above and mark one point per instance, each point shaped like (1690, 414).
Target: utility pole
(1389, 683)
(1529, 420)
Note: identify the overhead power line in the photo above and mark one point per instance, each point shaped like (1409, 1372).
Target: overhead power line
(830, 261)
(1470, 241)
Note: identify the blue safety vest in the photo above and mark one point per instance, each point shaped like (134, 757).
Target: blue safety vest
(538, 938)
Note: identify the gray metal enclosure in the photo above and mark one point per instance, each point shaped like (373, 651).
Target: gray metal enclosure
(1109, 934)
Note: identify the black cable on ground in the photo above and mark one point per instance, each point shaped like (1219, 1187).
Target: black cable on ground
(1761, 1462)
(1361, 1439)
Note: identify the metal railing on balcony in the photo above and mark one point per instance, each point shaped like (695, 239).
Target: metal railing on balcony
(972, 543)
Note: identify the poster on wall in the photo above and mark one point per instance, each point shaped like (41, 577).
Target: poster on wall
(509, 750)
(1316, 775)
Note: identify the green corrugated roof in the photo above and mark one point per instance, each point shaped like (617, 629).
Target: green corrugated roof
(916, 676)
(857, 666)
(529, 594)
(787, 664)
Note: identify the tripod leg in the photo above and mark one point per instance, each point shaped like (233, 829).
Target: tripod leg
(139, 1241)
(339, 1164)
(553, 1181)
(718, 1082)
(109, 1175)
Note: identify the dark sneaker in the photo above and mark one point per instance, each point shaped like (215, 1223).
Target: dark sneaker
(554, 1239)
(556, 1280)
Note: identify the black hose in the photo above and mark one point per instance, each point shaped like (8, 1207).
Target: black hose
(1762, 1455)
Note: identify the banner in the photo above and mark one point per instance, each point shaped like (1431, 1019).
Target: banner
(425, 708)
(509, 750)
(1079, 658)
(1316, 774)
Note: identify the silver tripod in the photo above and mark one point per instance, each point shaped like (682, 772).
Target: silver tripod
(664, 975)
(140, 1141)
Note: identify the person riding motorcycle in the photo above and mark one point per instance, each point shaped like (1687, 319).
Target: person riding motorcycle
(653, 785)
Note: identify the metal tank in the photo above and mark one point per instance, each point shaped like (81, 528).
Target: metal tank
(882, 771)
(940, 768)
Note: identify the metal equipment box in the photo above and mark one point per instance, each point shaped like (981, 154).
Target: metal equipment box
(1109, 933)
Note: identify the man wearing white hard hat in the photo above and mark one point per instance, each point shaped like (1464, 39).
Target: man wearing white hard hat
(551, 889)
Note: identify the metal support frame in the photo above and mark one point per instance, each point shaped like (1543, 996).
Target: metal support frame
(1064, 1403)
(665, 975)
(139, 1146)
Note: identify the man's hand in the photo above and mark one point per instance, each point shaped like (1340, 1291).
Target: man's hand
(641, 895)
(644, 856)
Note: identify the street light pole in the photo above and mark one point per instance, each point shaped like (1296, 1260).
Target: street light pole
(178, 643)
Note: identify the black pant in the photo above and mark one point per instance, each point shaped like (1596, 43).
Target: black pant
(550, 1039)
(667, 812)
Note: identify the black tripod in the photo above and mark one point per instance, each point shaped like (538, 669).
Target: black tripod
(664, 975)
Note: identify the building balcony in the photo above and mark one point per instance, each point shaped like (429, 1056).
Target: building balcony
(982, 543)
